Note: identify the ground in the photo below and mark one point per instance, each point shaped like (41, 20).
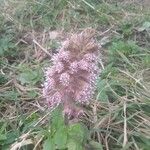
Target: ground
(118, 116)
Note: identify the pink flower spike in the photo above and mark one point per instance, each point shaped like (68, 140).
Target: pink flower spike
(59, 67)
(65, 79)
(64, 55)
(55, 59)
(73, 67)
(54, 100)
(72, 78)
(49, 72)
(49, 84)
(90, 57)
(84, 65)
(84, 95)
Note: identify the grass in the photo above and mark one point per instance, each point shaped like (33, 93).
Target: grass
(118, 116)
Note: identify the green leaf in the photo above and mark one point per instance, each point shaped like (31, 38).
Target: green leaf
(102, 88)
(146, 60)
(79, 147)
(6, 45)
(123, 49)
(29, 75)
(96, 145)
(107, 70)
(10, 95)
(3, 127)
(102, 84)
(32, 94)
(49, 145)
(102, 96)
(2, 137)
(78, 132)
(11, 137)
(57, 120)
(71, 145)
(61, 138)
(74, 145)
(145, 26)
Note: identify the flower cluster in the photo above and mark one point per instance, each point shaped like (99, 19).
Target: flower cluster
(72, 77)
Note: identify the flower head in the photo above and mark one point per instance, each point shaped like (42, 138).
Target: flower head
(54, 100)
(72, 77)
(59, 67)
(84, 65)
(85, 94)
(90, 57)
(65, 79)
(74, 66)
(64, 55)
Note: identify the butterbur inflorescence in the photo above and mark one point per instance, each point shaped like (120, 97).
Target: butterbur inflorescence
(72, 78)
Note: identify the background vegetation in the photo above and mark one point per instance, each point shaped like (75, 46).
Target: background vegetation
(118, 116)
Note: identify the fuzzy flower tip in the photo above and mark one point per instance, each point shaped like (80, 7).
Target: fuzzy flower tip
(73, 74)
